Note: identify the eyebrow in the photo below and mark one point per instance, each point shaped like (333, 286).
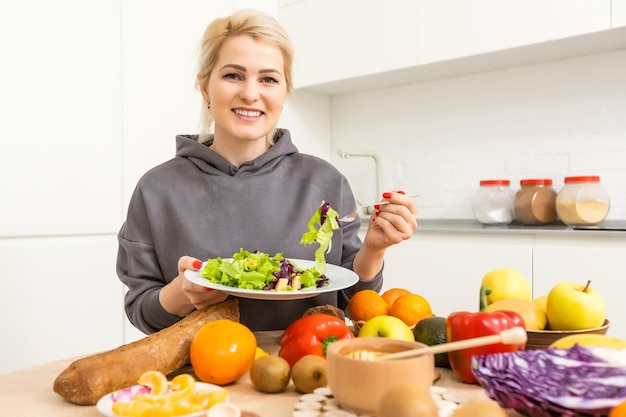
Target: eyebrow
(242, 68)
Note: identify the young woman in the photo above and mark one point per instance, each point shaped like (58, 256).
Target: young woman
(245, 185)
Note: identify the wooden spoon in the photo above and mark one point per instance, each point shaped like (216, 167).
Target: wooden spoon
(513, 336)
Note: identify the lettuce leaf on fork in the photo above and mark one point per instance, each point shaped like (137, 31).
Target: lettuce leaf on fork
(327, 219)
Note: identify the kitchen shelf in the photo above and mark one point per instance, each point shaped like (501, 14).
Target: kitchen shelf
(613, 228)
(566, 48)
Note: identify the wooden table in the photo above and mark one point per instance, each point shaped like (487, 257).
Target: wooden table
(28, 393)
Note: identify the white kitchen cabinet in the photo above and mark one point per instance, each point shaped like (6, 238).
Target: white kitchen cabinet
(335, 40)
(618, 13)
(60, 298)
(455, 29)
(601, 259)
(404, 42)
(448, 269)
(60, 165)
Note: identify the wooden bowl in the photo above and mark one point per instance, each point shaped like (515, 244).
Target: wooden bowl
(539, 339)
(358, 384)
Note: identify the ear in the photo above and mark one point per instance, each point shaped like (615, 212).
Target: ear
(202, 87)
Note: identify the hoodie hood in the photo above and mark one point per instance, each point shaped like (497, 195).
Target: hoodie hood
(210, 162)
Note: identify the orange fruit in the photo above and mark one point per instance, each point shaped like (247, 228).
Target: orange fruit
(367, 304)
(619, 410)
(411, 308)
(222, 351)
(392, 294)
(156, 381)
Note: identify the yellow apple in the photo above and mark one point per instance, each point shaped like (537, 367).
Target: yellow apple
(534, 317)
(386, 326)
(572, 306)
(541, 302)
(506, 284)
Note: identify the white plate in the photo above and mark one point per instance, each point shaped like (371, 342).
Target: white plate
(339, 278)
(105, 404)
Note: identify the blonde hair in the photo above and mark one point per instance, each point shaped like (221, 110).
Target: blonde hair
(243, 22)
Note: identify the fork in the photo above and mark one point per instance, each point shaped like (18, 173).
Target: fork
(352, 216)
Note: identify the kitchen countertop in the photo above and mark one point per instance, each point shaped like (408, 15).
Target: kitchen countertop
(606, 228)
(28, 393)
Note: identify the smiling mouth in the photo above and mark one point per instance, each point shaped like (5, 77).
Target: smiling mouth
(248, 113)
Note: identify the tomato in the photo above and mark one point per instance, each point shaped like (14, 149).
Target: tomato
(222, 351)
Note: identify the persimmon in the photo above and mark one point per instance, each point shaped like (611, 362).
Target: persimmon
(222, 351)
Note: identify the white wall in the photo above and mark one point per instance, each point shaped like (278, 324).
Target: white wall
(440, 138)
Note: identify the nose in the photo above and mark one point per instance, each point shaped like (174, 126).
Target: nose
(249, 91)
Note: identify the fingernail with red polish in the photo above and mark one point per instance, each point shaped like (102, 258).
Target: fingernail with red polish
(197, 264)
(377, 213)
(401, 192)
(386, 195)
(208, 289)
(376, 206)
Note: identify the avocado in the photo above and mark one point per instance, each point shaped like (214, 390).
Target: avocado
(432, 331)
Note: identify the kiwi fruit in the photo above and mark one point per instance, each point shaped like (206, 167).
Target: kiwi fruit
(270, 374)
(309, 373)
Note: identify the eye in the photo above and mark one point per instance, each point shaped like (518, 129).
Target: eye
(231, 76)
(269, 80)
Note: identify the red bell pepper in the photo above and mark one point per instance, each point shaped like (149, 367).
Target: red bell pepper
(463, 325)
(310, 335)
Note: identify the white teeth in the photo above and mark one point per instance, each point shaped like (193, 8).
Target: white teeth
(248, 113)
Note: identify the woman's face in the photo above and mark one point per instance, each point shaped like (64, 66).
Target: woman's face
(246, 89)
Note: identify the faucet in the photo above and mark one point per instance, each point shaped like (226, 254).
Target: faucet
(375, 157)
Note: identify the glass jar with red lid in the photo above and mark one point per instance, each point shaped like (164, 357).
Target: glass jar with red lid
(582, 201)
(492, 203)
(535, 202)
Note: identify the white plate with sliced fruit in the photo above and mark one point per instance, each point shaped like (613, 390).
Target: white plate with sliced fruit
(338, 279)
(105, 404)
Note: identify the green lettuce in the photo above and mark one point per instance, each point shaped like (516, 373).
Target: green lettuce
(320, 230)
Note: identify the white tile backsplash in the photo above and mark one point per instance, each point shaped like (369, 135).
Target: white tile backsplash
(440, 138)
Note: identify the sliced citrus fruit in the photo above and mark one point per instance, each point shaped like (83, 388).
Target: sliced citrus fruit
(183, 382)
(130, 408)
(156, 381)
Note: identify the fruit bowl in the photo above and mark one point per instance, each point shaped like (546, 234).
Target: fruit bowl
(539, 339)
(358, 384)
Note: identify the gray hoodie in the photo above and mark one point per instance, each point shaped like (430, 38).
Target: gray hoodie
(199, 204)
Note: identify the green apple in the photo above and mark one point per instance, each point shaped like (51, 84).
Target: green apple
(386, 326)
(572, 306)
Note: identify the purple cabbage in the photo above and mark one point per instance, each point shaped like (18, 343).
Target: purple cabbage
(552, 382)
(288, 270)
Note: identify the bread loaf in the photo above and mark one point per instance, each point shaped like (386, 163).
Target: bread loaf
(87, 379)
(326, 309)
